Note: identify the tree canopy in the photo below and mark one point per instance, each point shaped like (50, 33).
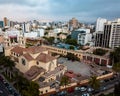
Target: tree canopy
(99, 51)
(115, 58)
(71, 42)
(71, 56)
(64, 81)
(94, 82)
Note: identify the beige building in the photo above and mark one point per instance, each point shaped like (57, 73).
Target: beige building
(74, 23)
(33, 56)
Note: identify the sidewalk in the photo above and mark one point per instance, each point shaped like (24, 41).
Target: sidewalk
(106, 92)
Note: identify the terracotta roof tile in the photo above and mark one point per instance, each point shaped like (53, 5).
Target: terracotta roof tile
(35, 49)
(33, 72)
(28, 56)
(18, 50)
(45, 57)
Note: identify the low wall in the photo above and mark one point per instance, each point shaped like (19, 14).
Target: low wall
(53, 90)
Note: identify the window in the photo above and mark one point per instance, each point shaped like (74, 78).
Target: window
(23, 61)
(37, 63)
(41, 92)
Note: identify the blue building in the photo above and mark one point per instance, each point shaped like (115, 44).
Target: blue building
(1, 24)
(83, 36)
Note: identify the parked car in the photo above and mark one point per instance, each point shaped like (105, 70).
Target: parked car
(89, 89)
(102, 88)
(77, 89)
(86, 94)
(1, 91)
(83, 88)
(62, 93)
(1, 78)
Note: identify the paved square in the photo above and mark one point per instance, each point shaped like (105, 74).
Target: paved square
(75, 66)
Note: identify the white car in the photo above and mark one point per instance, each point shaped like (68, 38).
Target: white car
(77, 89)
(83, 89)
(85, 94)
(90, 89)
(1, 91)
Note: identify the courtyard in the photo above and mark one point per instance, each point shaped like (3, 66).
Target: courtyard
(82, 68)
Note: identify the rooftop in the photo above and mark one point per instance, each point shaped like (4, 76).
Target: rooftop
(57, 69)
(33, 50)
(28, 56)
(33, 72)
(45, 57)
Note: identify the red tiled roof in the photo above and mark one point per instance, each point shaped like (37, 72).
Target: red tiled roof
(35, 49)
(33, 72)
(18, 50)
(45, 57)
(28, 56)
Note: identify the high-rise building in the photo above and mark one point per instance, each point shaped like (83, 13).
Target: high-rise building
(115, 34)
(73, 23)
(1, 24)
(106, 35)
(110, 37)
(98, 38)
(5, 21)
(100, 24)
(23, 27)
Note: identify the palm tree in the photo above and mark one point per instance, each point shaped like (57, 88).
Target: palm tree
(94, 82)
(111, 56)
(64, 81)
(7, 64)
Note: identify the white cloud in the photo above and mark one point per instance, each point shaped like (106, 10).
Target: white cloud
(23, 12)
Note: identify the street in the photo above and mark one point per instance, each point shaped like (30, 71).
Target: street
(3, 89)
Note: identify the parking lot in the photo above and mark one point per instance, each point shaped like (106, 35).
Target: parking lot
(82, 68)
(75, 66)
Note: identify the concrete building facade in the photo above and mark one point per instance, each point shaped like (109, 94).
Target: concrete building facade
(83, 36)
(100, 24)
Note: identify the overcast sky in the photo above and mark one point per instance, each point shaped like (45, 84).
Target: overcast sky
(83, 10)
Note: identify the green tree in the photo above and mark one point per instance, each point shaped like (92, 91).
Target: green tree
(115, 55)
(99, 51)
(46, 33)
(8, 65)
(116, 67)
(71, 56)
(64, 81)
(115, 58)
(69, 37)
(71, 42)
(27, 88)
(94, 82)
(117, 89)
(50, 40)
(71, 47)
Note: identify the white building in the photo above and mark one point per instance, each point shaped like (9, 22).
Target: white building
(34, 34)
(82, 35)
(100, 24)
(111, 35)
(26, 27)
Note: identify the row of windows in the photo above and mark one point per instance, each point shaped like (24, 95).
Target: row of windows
(24, 62)
(15, 54)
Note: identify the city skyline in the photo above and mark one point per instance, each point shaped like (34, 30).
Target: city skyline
(83, 10)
